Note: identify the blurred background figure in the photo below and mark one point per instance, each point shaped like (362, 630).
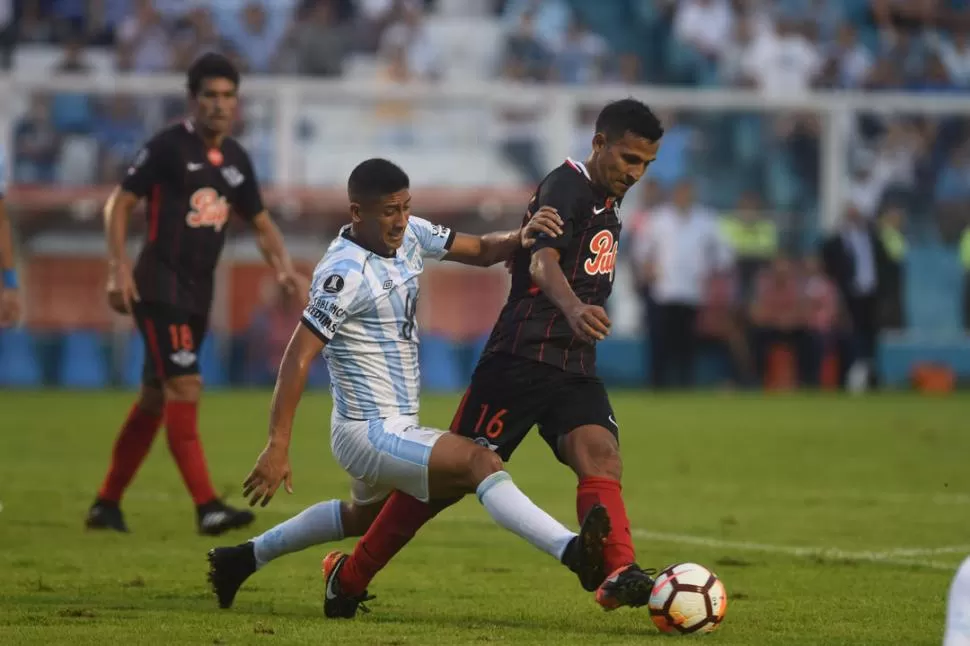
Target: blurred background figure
(684, 249)
(479, 99)
(852, 258)
(891, 269)
(269, 331)
(780, 314)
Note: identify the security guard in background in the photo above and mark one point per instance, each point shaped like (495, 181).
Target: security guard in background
(754, 239)
(892, 269)
(965, 262)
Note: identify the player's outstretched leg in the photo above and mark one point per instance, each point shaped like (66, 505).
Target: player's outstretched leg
(182, 426)
(593, 453)
(130, 450)
(322, 523)
(457, 466)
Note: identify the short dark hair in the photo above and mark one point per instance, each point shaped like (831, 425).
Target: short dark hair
(375, 178)
(629, 115)
(211, 66)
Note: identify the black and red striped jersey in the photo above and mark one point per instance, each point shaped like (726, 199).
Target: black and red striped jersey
(530, 325)
(191, 190)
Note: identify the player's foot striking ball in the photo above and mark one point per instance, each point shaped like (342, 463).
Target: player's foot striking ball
(193, 175)
(630, 586)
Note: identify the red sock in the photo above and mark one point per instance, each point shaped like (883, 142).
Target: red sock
(618, 550)
(182, 425)
(130, 449)
(399, 520)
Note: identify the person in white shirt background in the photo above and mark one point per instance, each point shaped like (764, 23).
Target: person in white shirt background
(682, 249)
(10, 296)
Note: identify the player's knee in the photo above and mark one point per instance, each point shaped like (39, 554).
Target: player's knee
(594, 453)
(184, 388)
(483, 463)
(151, 400)
(356, 519)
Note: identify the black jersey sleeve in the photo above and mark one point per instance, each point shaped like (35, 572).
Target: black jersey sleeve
(563, 190)
(248, 200)
(148, 167)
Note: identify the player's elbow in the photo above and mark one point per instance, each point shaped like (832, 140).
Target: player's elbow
(537, 269)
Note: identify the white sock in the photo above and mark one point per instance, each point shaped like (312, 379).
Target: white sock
(513, 510)
(958, 609)
(318, 524)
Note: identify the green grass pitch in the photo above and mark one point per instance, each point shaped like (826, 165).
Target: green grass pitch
(831, 520)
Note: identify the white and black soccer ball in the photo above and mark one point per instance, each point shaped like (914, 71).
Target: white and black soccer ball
(687, 598)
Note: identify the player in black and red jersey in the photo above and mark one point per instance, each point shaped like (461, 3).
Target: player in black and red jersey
(193, 176)
(539, 366)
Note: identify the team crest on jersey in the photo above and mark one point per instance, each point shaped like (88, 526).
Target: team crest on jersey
(183, 358)
(233, 176)
(603, 247)
(209, 209)
(333, 284)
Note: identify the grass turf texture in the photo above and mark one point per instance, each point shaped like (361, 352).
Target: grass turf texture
(736, 483)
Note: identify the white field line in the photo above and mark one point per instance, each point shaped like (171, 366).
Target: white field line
(896, 556)
(901, 556)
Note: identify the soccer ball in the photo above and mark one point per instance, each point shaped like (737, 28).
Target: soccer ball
(687, 598)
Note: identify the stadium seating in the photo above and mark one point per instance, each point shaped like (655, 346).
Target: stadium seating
(83, 362)
(19, 362)
(440, 368)
(212, 364)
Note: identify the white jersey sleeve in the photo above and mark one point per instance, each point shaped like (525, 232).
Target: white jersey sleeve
(335, 295)
(434, 240)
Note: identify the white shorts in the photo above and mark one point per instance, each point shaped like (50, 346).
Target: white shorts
(382, 455)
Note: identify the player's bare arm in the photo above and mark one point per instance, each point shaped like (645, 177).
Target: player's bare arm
(589, 322)
(9, 289)
(273, 464)
(270, 241)
(491, 248)
(121, 283)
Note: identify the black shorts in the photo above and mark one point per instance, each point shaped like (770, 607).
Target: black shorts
(509, 395)
(172, 338)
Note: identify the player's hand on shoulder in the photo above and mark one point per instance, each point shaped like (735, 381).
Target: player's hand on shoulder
(546, 220)
(10, 306)
(272, 469)
(589, 322)
(122, 292)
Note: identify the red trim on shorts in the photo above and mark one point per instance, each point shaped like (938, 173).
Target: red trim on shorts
(461, 409)
(152, 337)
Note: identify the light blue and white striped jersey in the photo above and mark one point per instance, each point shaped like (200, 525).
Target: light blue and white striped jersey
(363, 306)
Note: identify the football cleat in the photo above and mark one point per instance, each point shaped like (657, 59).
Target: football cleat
(105, 514)
(336, 604)
(584, 554)
(229, 567)
(629, 585)
(216, 517)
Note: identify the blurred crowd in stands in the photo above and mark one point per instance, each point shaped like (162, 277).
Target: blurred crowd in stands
(756, 175)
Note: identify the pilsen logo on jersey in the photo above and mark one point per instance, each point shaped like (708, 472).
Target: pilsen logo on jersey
(604, 248)
(209, 209)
